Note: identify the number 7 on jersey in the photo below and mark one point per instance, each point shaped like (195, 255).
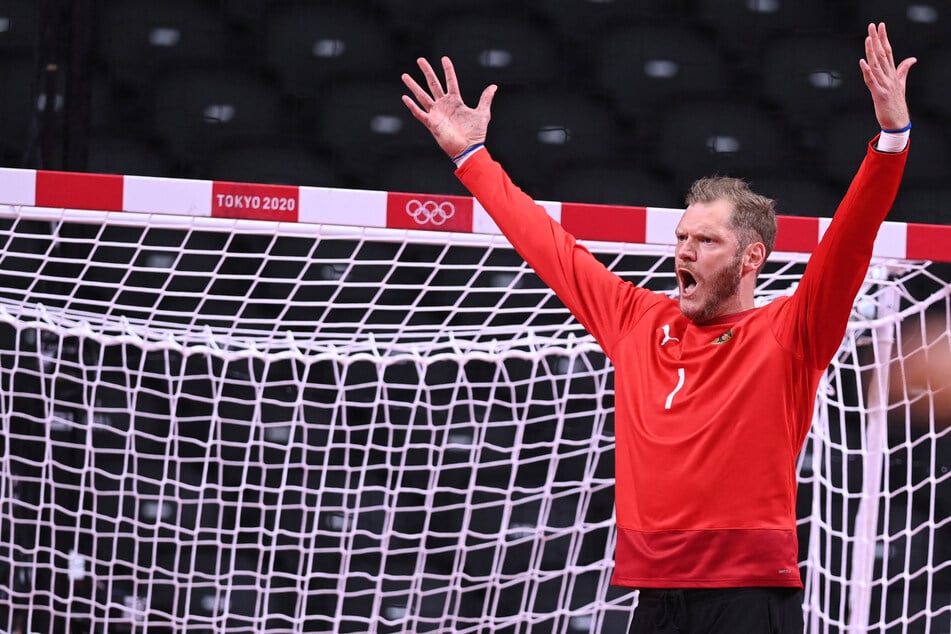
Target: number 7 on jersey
(680, 384)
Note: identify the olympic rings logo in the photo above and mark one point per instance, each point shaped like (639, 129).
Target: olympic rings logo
(430, 212)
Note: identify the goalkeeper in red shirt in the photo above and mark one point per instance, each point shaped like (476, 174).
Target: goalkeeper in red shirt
(714, 396)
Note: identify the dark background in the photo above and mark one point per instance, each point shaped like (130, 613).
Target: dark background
(599, 101)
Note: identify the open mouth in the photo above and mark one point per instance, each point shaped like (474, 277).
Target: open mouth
(687, 282)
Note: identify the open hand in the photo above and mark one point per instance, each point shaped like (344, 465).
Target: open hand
(885, 81)
(453, 124)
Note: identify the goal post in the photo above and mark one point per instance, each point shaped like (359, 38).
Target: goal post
(232, 407)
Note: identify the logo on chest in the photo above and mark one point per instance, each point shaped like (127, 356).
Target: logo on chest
(723, 338)
(667, 338)
(719, 340)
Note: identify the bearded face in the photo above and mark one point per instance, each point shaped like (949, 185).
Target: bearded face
(709, 262)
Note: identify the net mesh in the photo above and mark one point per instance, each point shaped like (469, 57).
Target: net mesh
(239, 426)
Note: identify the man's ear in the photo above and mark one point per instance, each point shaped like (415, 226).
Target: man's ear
(754, 256)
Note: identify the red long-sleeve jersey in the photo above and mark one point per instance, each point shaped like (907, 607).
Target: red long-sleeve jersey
(709, 418)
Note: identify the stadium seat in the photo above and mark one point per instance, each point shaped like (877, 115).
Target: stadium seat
(361, 122)
(913, 25)
(139, 38)
(929, 164)
(704, 138)
(643, 68)
(930, 87)
(201, 598)
(19, 25)
(799, 196)
(247, 13)
(487, 49)
(17, 108)
(197, 110)
(922, 204)
(271, 163)
(614, 184)
(581, 20)
(744, 26)
(810, 77)
(536, 131)
(308, 44)
(125, 155)
(417, 19)
(433, 174)
(843, 145)
(114, 110)
(849, 133)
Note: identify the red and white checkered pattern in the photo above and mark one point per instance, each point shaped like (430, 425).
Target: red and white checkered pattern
(319, 205)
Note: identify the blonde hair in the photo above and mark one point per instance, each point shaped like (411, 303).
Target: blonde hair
(753, 216)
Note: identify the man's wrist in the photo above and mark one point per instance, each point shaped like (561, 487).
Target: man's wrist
(893, 140)
(907, 128)
(465, 154)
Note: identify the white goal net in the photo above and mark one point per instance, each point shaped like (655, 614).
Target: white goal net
(240, 408)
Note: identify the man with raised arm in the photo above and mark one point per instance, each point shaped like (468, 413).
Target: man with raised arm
(714, 397)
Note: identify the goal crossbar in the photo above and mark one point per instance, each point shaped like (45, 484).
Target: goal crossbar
(72, 193)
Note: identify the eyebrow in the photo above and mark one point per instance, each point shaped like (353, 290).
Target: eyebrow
(703, 230)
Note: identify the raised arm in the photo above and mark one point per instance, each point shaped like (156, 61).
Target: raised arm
(844, 253)
(600, 300)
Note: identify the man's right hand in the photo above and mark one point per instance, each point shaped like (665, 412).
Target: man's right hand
(455, 126)
(885, 80)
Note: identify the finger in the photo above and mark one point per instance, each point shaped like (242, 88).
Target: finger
(905, 66)
(452, 82)
(485, 100)
(870, 77)
(884, 46)
(871, 70)
(421, 95)
(875, 50)
(872, 55)
(874, 75)
(866, 71)
(871, 41)
(415, 110)
(435, 88)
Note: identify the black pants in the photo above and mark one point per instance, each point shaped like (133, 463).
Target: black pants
(719, 611)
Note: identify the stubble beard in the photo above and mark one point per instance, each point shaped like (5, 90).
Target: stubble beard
(723, 285)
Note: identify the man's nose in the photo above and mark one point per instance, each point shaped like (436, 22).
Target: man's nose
(685, 251)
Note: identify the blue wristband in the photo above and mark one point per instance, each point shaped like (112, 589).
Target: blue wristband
(899, 130)
(469, 150)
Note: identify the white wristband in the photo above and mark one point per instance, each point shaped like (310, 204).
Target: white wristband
(892, 141)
